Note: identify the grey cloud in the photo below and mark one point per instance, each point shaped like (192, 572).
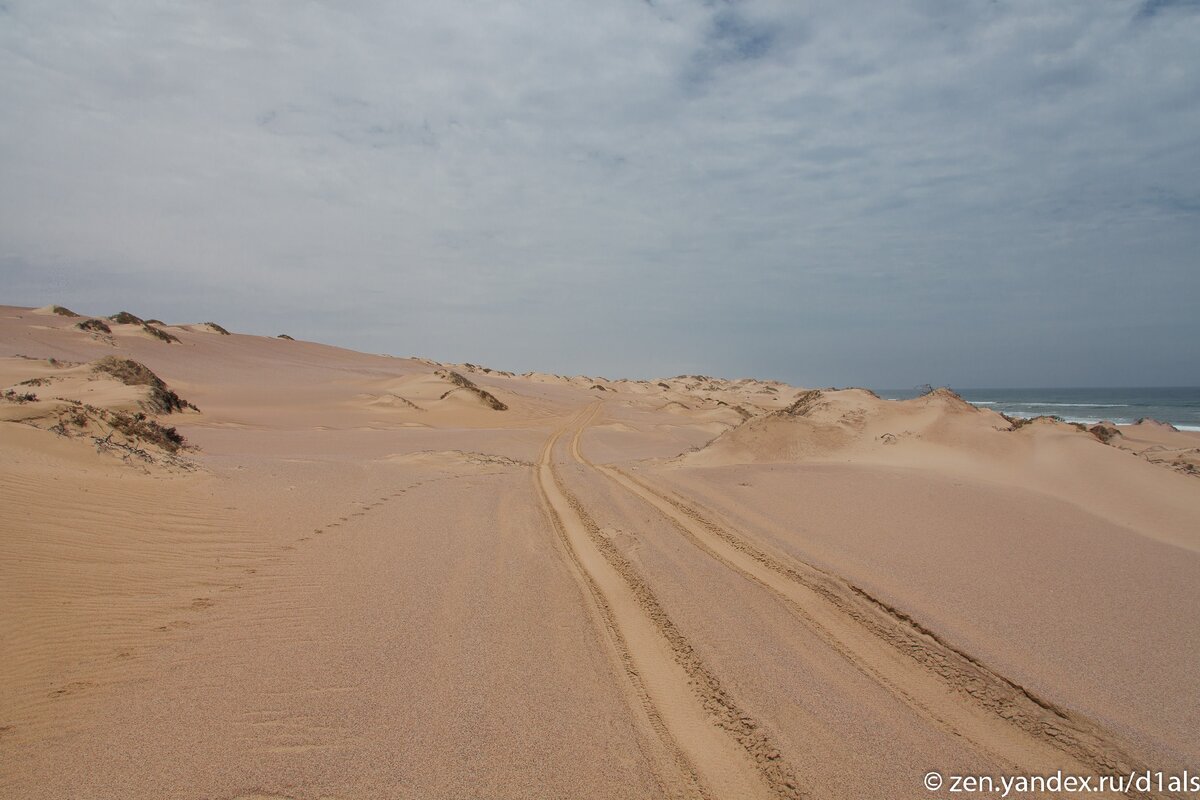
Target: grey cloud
(624, 187)
(1152, 8)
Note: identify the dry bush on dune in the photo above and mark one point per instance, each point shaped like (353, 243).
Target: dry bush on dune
(1105, 433)
(128, 371)
(218, 328)
(93, 326)
(159, 333)
(133, 373)
(1016, 422)
(456, 378)
(142, 429)
(804, 404)
(285, 336)
(125, 318)
(489, 399)
(1021, 422)
(124, 433)
(18, 397)
(63, 311)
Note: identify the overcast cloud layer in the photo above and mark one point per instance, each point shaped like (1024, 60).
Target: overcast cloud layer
(883, 194)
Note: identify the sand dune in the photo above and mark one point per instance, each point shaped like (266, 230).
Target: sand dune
(366, 576)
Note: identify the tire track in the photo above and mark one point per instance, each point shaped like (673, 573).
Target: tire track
(943, 683)
(717, 749)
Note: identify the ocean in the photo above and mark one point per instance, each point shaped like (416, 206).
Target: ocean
(1179, 406)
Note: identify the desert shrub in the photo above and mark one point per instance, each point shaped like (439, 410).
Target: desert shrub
(136, 427)
(35, 382)
(285, 336)
(139, 426)
(125, 318)
(456, 378)
(133, 373)
(804, 404)
(218, 328)
(63, 311)
(159, 333)
(19, 397)
(93, 326)
(1021, 422)
(1105, 433)
(489, 399)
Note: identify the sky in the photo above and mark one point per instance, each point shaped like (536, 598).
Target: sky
(955, 192)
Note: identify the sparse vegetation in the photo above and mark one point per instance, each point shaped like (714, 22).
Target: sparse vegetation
(804, 404)
(1152, 421)
(133, 373)
(135, 430)
(462, 382)
(125, 318)
(155, 322)
(19, 397)
(93, 326)
(1020, 422)
(285, 336)
(140, 428)
(159, 333)
(218, 328)
(63, 311)
(1105, 433)
(456, 378)
(36, 382)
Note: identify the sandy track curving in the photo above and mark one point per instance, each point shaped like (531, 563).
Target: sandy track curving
(717, 750)
(944, 684)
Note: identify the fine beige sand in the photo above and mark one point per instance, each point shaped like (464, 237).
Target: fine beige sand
(235, 566)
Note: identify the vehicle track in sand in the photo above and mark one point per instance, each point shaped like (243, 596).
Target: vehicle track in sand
(942, 683)
(707, 746)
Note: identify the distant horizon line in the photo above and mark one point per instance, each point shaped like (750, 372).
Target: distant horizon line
(876, 389)
(1025, 388)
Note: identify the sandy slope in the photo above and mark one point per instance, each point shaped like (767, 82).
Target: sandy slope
(365, 579)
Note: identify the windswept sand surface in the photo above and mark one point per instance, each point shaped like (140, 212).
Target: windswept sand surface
(368, 577)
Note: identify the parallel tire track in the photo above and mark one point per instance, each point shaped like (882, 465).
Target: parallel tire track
(938, 680)
(719, 749)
